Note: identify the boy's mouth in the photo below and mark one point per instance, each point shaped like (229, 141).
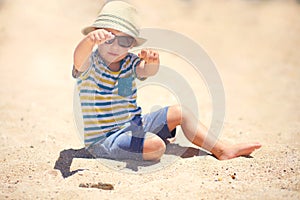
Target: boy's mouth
(113, 54)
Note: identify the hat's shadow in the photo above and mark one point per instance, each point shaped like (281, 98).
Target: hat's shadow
(65, 159)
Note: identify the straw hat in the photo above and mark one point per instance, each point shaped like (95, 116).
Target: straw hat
(120, 16)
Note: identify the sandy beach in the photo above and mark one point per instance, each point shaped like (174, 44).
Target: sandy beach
(255, 48)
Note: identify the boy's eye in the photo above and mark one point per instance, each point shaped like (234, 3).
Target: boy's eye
(110, 41)
(123, 41)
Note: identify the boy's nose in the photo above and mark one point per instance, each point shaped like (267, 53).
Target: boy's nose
(115, 44)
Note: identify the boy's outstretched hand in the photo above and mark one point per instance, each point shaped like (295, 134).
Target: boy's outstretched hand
(150, 64)
(150, 56)
(99, 36)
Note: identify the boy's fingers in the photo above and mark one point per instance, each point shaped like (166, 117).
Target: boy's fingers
(143, 53)
(148, 55)
(156, 59)
(107, 36)
(92, 37)
(153, 57)
(97, 37)
(150, 60)
(101, 35)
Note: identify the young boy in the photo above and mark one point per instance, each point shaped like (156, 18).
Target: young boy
(114, 126)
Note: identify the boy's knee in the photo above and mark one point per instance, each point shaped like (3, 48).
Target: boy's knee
(154, 148)
(176, 109)
(177, 113)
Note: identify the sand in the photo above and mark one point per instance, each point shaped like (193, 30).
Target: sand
(255, 48)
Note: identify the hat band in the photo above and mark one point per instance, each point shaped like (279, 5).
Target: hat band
(119, 21)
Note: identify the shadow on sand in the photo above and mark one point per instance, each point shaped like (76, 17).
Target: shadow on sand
(64, 161)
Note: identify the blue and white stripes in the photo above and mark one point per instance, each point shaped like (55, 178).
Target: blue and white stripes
(103, 109)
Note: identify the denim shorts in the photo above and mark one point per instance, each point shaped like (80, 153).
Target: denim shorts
(127, 143)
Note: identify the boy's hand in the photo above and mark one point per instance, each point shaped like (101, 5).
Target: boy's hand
(99, 36)
(150, 65)
(149, 56)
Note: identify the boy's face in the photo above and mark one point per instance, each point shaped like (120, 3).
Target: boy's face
(113, 52)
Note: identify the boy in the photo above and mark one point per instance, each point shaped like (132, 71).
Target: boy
(114, 126)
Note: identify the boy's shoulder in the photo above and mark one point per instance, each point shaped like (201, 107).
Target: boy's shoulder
(131, 59)
(132, 55)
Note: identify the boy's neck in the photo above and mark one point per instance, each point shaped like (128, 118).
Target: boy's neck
(114, 66)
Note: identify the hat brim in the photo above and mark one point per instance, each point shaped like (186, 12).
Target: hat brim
(138, 40)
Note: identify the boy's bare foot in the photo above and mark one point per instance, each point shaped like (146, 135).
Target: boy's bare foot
(233, 151)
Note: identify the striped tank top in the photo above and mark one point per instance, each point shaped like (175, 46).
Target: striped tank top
(108, 98)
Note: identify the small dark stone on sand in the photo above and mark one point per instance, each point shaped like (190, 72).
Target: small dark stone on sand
(103, 186)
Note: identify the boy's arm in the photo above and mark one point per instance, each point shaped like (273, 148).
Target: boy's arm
(150, 64)
(85, 47)
(82, 53)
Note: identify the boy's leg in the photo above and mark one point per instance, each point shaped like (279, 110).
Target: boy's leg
(154, 147)
(156, 126)
(198, 134)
